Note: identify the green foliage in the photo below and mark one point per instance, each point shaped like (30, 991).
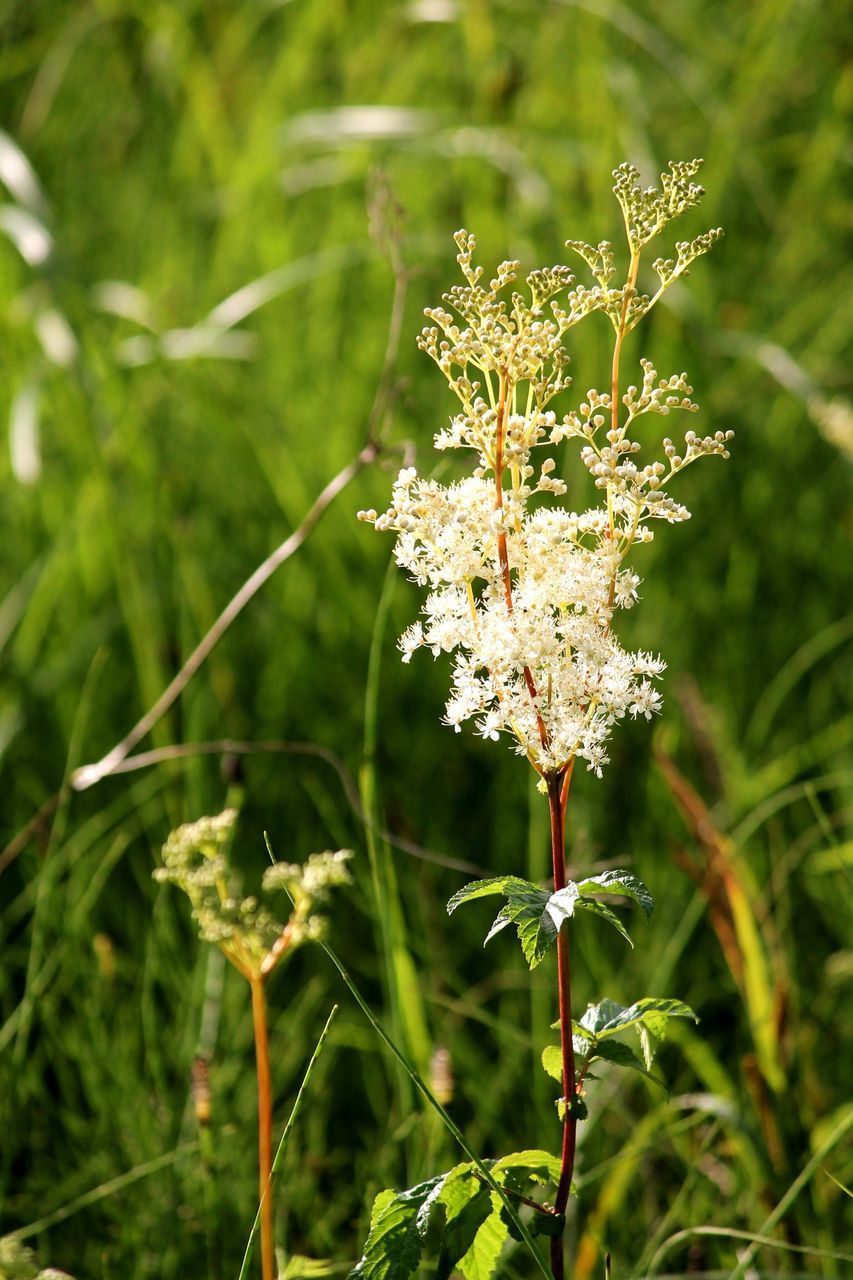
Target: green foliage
(594, 1036)
(468, 1217)
(190, 151)
(538, 914)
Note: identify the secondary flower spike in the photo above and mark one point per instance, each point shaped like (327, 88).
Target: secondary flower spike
(522, 590)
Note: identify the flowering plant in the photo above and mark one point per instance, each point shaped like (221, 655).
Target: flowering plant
(255, 940)
(524, 592)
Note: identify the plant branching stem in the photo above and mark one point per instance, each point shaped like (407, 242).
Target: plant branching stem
(503, 555)
(262, 1057)
(558, 785)
(622, 329)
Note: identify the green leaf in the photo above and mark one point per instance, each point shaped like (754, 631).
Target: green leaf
(620, 882)
(526, 909)
(621, 1055)
(561, 905)
(539, 915)
(463, 1224)
(600, 1015)
(533, 1166)
(484, 889)
(548, 1224)
(651, 1012)
(535, 926)
(481, 1260)
(599, 909)
(398, 1225)
(552, 1061)
(648, 1017)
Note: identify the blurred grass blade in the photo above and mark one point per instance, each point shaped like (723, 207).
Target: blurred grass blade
(105, 1189)
(837, 1132)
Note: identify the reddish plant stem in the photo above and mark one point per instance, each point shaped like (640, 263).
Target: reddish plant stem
(557, 797)
(503, 555)
(262, 1057)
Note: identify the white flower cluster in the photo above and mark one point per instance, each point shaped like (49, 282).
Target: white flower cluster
(549, 661)
(521, 591)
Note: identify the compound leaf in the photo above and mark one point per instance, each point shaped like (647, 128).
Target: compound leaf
(622, 883)
(483, 889)
(599, 909)
(398, 1225)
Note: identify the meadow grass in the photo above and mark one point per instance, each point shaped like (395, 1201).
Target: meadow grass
(193, 150)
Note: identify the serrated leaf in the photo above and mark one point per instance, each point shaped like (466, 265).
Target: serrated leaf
(599, 1015)
(462, 1227)
(525, 908)
(398, 1224)
(536, 928)
(539, 915)
(622, 883)
(481, 1260)
(621, 1055)
(652, 1012)
(535, 1165)
(483, 889)
(648, 1017)
(599, 909)
(500, 922)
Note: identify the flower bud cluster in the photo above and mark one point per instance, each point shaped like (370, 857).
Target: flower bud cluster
(17, 1262)
(195, 858)
(687, 251)
(647, 211)
(522, 591)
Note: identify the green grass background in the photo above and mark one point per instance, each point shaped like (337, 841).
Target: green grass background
(187, 149)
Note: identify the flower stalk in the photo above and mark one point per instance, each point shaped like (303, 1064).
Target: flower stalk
(262, 1061)
(255, 941)
(557, 797)
(524, 594)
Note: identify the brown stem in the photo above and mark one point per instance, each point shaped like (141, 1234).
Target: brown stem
(262, 1057)
(557, 797)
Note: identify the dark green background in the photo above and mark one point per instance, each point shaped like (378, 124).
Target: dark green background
(188, 149)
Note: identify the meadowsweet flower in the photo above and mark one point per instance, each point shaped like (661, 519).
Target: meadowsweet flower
(522, 590)
(195, 858)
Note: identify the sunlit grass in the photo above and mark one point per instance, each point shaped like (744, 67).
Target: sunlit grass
(193, 152)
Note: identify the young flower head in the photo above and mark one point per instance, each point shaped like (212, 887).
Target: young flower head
(17, 1262)
(523, 590)
(252, 936)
